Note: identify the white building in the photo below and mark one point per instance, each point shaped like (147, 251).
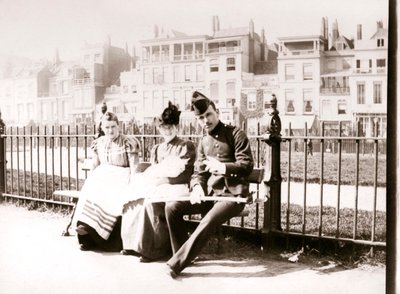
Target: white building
(369, 82)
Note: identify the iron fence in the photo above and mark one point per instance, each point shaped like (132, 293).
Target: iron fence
(37, 161)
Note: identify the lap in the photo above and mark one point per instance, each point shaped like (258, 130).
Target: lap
(208, 209)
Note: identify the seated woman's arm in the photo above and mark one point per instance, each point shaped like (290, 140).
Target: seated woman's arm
(132, 146)
(188, 151)
(95, 161)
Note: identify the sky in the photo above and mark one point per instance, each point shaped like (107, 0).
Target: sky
(36, 28)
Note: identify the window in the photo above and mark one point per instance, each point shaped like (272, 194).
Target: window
(360, 93)
(155, 53)
(177, 51)
(146, 54)
(381, 63)
(199, 73)
(64, 110)
(188, 73)
(177, 97)
(377, 92)
(380, 42)
(188, 51)
(188, 99)
(146, 76)
(177, 74)
(267, 100)
(307, 72)
(165, 74)
(231, 89)
(157, 103)
(358, 63)
(133, 88)
(164, 52)
(307, 101)
(213, 65)
(289, 72)
(252, 101)
(214, 91)
(157, 76)
(326, 110)
(342, 106)
(289, 101)
(146, 100)
(165, 98)
(230, 63)
(198, 53)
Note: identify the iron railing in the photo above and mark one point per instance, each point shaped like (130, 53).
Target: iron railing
(308, 195)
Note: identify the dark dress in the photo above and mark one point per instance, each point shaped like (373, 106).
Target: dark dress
(144, 229)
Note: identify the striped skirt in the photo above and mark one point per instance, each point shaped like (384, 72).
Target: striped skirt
(102, 198)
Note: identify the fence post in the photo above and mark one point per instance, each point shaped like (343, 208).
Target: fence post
(2, 158)
(272, 178)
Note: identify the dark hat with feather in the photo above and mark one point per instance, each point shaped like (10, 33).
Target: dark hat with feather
(170, 115)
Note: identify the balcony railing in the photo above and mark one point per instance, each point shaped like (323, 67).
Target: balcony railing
(298, 52)
(335, 90)
(363, 70)
(223, 49)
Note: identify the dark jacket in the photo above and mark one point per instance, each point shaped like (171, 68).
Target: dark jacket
(231, 146)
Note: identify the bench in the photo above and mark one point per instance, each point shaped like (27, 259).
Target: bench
(255, 177)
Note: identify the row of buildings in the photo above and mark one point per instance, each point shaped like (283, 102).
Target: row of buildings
(318, 78)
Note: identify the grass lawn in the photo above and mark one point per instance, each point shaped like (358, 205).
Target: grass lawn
(348, 176)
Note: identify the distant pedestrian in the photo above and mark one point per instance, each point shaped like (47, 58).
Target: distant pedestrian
(309, 147)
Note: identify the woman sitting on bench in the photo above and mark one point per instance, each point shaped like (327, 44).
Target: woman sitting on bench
(98, 212)
(144, 229)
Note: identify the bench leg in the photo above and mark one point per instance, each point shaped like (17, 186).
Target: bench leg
(65, 233)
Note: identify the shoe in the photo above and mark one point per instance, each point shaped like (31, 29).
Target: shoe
(85, 247)
(171, 272)
(144, 259)
(127, 252)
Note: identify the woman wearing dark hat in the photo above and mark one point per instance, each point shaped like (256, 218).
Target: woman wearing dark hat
(144, 230)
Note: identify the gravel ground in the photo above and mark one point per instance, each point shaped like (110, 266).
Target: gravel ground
(35, 258)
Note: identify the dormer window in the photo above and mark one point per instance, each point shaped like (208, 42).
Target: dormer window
(380, 42)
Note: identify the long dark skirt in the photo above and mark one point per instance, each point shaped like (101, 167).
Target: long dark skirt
(145, 231)
(95, 242)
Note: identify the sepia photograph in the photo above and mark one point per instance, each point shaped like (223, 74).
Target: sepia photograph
(189, 146)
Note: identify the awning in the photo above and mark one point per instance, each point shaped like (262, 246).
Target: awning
(298, 122)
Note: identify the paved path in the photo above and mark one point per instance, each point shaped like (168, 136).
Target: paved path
(34, 258)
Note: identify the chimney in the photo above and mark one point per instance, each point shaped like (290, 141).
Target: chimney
(379, 25)
(326, 33)
(251, 28)
(323, 27)
(133, 63)
(359, 32)
(263, 36)
(156, 31)
(263, 45)
(215, 24)
(335, 32)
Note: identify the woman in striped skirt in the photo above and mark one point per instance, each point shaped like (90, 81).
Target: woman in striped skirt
(98, 214)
